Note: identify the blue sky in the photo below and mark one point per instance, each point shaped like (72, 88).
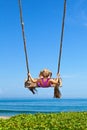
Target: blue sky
(43, 20)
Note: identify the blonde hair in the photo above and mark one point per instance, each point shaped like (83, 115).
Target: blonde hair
(45, 73)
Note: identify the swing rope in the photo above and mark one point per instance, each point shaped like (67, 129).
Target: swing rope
(23, 34)
(57, 93)
(62, 33)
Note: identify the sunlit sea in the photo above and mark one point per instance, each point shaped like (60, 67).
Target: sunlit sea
(10, 107)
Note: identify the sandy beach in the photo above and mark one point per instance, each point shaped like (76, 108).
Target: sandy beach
(4, 117)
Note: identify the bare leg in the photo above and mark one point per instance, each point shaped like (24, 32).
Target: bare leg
(57, 93)
(31, 86)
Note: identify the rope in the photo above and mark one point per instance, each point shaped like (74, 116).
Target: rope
(23, 34)
(57, 93)
(62, 32)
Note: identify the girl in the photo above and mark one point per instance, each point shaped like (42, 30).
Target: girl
(45, 79)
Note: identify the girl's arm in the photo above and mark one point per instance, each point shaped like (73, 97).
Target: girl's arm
(54, 81)
(32, 79)
(57, 80)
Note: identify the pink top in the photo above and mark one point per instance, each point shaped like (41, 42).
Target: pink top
(43, 83)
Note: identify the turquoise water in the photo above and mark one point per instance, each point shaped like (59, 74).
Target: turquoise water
(9, 107)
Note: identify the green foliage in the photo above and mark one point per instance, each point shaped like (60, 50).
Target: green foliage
(42, 121)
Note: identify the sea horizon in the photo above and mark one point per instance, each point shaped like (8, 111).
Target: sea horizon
(11, 107)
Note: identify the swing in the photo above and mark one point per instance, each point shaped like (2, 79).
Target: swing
(31, 83)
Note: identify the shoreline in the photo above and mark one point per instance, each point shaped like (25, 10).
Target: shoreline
(5, 117)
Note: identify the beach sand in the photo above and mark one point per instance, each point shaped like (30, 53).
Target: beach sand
(4, 117)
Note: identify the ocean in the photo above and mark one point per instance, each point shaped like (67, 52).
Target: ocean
(11, 107)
